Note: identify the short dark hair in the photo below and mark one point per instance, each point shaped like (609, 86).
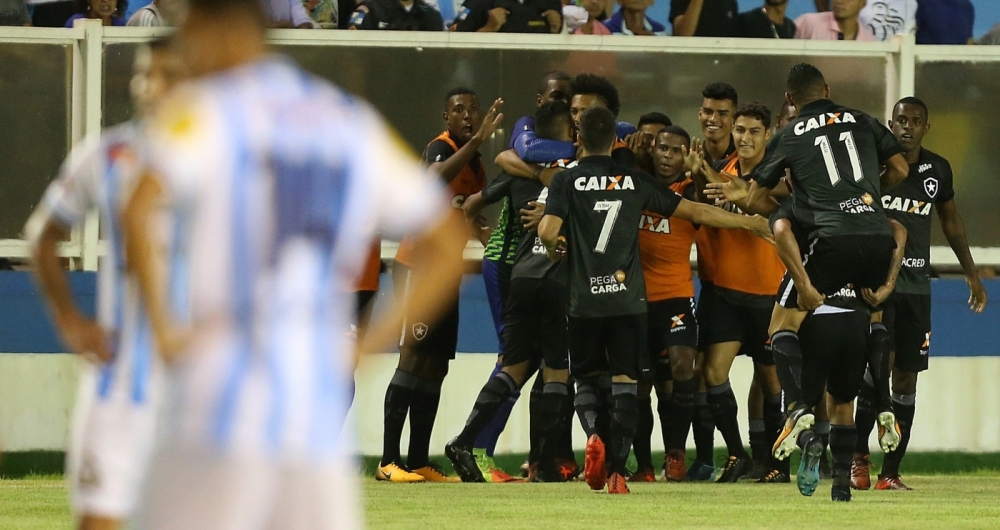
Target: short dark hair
(721, 91)
(655, 117)
(550, 116)
(83, 6)
(677, 130)
(755, 109)
(912, 100)
(597, 129)
(596, 85)
(805, 81)
(458, 91)
(557, 75)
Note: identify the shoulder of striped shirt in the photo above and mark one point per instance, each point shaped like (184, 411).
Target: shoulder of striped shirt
(144, 17)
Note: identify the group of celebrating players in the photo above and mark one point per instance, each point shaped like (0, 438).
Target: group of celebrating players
(813, 245)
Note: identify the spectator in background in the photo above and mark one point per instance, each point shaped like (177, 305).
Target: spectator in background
(159, 13)
(325, 13)
(945, 21)
(631, 19)
(840, 24)
(401, 15)
(594, 24)
(510, 16)
(704, 18)
(768, 22)
(286, 14)
(14, 13)
(885, 18)
(109, 12)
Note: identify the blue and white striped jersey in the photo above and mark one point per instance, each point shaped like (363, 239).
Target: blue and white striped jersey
(98, 174)
(277, 183)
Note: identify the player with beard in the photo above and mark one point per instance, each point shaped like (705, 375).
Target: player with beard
(907, 321)
(600, 202)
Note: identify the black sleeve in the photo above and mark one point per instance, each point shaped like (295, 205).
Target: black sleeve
(886, 144)
(677, 8)
(623, 156)
(772, 168)
(437, 151)
(557, 203)
(659, 198)
(689, 192)
(433, 20)
(498, 189)
(364, 17)
(947, 184)
(473, 15)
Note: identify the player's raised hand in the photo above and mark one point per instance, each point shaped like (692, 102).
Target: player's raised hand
(491, 121)
(85, 337)
(809, 297)
(977, 295)
(735, 189)
(532, 215)
(693, 157)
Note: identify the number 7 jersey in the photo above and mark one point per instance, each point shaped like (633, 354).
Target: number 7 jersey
(601, 204)
(834, 154)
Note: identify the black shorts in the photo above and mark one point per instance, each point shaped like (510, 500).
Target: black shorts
(704, 313)
(907, 317)
(671, 322)
(616, 345)
(748, 325)
(833, 354)
(439, 340)
(833, 262)
(535, 323)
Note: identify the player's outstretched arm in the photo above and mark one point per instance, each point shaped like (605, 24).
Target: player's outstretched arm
(436, 274)
(954, 231)
(548, 232)
(515, 167)
(791, 255)
(703, 214)
(875, 298)
(896, 171)
(82, 334)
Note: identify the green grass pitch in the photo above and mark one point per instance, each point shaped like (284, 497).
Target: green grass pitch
(970, 500)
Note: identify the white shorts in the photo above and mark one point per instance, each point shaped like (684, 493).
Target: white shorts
(111, 444)
(194, 489)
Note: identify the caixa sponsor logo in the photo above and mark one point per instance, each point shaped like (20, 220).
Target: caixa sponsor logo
(612, 283)
(914, 262)
(604, 183)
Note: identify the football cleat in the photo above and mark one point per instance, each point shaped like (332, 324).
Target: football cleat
(593, 467)
(888, 432)
(674, 467)
(800, 419)
(701, 471)
(840, 493)
(394, 472)
(464, 463)
(807, 477)
(433, 473)
(617, 485)
(758, 472)
(891, 483)
(860, 474)
(488, 467)
(643, 475)
(568, 468)
(736, 467)
(774, 477)
(525, 467)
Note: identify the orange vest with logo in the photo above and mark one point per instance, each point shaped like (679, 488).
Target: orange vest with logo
(743, 261)
(665, 253)
(467, 182)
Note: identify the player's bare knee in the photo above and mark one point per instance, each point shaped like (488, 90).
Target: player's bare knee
(519, 372)
(682, 362)
(551, 375)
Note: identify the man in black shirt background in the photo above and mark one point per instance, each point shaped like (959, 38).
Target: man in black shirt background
(704, 18)
(907, 310)
(509, 16)
(600, 202)
(768, 22)
(399, 15)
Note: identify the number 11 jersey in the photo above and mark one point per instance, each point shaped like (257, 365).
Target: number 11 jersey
(834, 154)
(601, 204)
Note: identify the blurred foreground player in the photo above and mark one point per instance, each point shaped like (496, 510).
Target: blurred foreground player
(600, 202)
(259, 167)
(907, 316)
(425, 350)
(120, 393)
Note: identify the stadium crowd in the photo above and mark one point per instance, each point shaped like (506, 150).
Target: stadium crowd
(932, 21)
(746, 305)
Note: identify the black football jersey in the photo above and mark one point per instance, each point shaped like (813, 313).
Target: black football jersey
(834, 154)
(601, 203)
(911, 203)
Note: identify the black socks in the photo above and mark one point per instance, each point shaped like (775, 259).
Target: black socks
(682, 411)
(865, 415)
(423, 412)
(904, 405)
(588, 404)
(644, 431)
(704, 430)
(722, 403)
(397, 405)
(788, 361)
(493, 395)
(623, 424)
(843, 438)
